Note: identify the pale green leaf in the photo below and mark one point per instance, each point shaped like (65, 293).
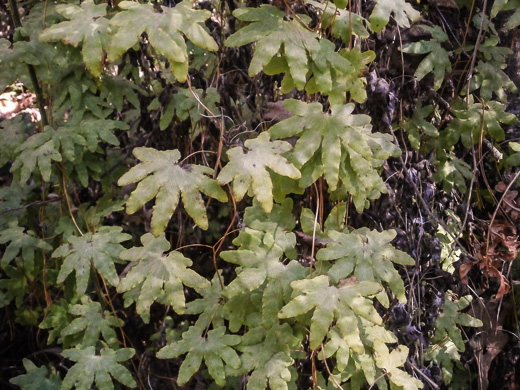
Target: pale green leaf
(367, 255)
(164, 28)
(37, 378)
(331, 303)
(247, 168)
(209, 307)
(156, 276)
(21, 242)
(287, 45)
(390, 363)
(92, 250)
(160, 176)
(39, 149)
(87, 26)
(437, 60)
(214, 347)
(92, 368)
(450, 316)
(339, 145)
(402, 12)
(266, 355)
(93, 323)
(274, 34)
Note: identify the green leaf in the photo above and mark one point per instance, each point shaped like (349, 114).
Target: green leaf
(453, 172)
(56, 318)
(514, 21)
(390, 362)
(330, 303)
(351, 82)
(209, 306)
(247, 168)
(472, 120)
(256, 259)
(164, 28)
(21, 241)
(157, 277)
(418, 126)
(37, 378)
(8, 63)
(183, 105)
(116, 90)
(342, 23)
(437, 60)
(444, 354)
(86, 25)
(92, 368)
(272, 34)
(491, 79)
(14, 287)
(97, 130)
(13, 132)
(214, 348)
(288, 46)
(367, 255)
(339, 145)
(403, 13)
(279, 223)
(12, 203)
(335, 221)
(98, 250)
(92, 322)
(266, 355)
(38, 149)
(450, 316)
(161, 177)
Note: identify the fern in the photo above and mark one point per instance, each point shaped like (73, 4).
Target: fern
(164, 28)
(367, 255)
(88, 26)
(402, 12)
(214, 348)
(247, 168)
(37, 378)
(340, 146)
(156, 277)
(93, 250)
(159, 175)
(101, 367)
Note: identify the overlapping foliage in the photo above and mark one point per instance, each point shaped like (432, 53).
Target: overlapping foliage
(281, 284)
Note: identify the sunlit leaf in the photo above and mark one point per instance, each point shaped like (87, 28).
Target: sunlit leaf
(160, 176)
(86, 25)
(247, 168)
(164, 28)
(100, 368)
(92, 250)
